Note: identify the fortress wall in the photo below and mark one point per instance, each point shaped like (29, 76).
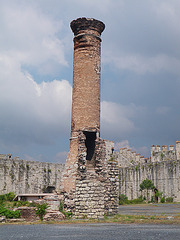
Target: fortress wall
(21, 176)
(164, 175)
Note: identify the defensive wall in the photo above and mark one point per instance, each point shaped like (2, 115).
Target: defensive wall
(162, 168)
(21, 176)
(164, 175)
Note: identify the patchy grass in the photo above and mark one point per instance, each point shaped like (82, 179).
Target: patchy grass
(118, 218)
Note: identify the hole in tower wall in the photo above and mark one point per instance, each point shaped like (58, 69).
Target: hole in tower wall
(90, 147)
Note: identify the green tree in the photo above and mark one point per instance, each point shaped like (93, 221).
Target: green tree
(148, 185)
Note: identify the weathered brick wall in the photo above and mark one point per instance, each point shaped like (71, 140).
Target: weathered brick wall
(21, 176)
(165, 175)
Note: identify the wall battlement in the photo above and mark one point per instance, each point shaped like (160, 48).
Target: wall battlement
(125, 157)
(159, 153)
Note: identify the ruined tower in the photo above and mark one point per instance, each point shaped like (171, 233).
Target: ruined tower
(90, 181)
(85, 118)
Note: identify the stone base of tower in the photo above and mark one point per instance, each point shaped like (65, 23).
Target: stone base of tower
(90, 182)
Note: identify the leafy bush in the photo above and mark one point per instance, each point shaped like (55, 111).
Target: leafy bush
(10, 196)
(21, 203)
(32, 204)
(67, 215)
(169, 199)
(162, 200)
(158, 194)
(2, 198)
(123, 199)
(7, 197)
(41, 210)
(9, 213)
(137, 200)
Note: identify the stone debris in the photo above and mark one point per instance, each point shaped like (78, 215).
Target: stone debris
(28, 213)
(2, 219)
(54, 216)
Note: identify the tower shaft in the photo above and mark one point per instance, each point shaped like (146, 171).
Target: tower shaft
(86, 75)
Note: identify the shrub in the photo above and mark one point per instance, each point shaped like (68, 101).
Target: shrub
(67, 215)
(162, 200)
(21, 203)
(41, 210)
(7, 197)
(10, 196)
(123, 199)
(169, 199)
(158, 194)
(9, 213)
(137, 200)
(32, 204)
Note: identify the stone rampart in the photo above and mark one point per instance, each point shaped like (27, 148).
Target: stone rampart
(125, 158)
(164, 175)
(21, 176)
(159, 153)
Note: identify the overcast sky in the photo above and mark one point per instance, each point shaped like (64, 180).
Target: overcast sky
(140, 80)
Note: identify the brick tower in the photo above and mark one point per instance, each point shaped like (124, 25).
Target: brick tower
(86, 93)
(90, 181)
(86, 75)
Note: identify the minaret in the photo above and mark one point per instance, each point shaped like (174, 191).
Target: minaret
(86, 93)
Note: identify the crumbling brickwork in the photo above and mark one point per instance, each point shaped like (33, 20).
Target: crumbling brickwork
(97, 185)
(85, 115)
(89, 178)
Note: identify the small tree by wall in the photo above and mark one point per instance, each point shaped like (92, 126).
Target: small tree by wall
(148, 185)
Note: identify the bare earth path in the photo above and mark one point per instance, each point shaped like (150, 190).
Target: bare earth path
(150, 209)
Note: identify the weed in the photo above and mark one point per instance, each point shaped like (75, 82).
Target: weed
(169, 199)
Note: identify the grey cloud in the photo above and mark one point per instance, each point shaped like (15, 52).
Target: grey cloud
(140, 80)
